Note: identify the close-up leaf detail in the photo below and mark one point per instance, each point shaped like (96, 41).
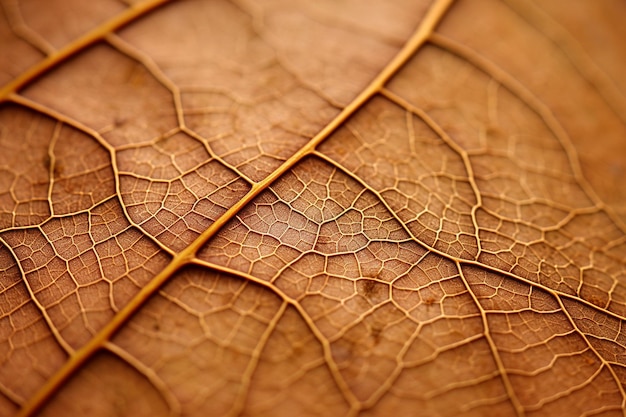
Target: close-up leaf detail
(304, 208)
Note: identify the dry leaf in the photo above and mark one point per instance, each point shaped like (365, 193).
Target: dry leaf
(246, 208)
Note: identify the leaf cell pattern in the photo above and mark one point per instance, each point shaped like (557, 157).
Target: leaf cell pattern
(358, 208)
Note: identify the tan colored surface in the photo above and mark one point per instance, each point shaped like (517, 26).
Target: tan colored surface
(356, 208)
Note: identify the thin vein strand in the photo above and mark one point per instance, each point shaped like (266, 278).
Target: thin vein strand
(185, 257)
(78, 45)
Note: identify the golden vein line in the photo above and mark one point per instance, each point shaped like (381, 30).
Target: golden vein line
(246, 378)
(323, 341)
(79, 44)
(12, 397)
(166, 394)
(504, 376)
(527, 97)
(469, 262)
(22, 30)
(574, 51)
(64, 119)
(471, 178)
(595, 351)
(96, 343)
(56, 335)
(185, 257)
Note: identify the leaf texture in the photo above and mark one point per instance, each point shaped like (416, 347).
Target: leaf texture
(358, 208)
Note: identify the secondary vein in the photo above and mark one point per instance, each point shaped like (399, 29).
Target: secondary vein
(78, 45)
(185, 257)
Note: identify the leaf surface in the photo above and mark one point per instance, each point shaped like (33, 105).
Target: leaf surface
(213, 207)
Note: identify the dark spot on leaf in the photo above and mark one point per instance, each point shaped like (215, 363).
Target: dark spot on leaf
(119, 121)
(46, 161)
(368, 287)
(58, 168)
(376, 331)
(594, 299)
(430, 300)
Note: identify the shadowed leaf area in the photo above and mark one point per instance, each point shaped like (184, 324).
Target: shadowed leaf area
(302, 208)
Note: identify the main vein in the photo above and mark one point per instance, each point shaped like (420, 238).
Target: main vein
(79, 44)
(185, 257)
